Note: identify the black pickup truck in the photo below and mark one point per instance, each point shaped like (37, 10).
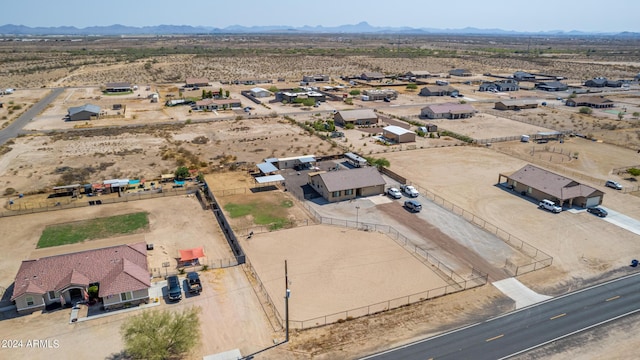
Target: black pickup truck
(173, 288)
(195, 286)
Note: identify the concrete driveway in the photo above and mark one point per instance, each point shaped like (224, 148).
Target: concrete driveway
(622, 220)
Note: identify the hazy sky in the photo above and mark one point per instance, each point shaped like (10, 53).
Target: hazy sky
(519, 15)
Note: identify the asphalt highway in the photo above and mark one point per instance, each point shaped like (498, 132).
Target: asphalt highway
(526, 329)
(13, 130)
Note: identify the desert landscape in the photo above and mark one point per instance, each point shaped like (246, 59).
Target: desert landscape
(336, 266)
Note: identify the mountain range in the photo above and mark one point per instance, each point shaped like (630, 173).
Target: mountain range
(360, 28)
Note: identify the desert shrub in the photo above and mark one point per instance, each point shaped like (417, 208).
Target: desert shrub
(633, 172)
(9, 191)
(586, 110)
(354, 92)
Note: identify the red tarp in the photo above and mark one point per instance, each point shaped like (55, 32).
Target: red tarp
(191, 254)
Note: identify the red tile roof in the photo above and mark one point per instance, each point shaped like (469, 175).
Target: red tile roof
(118, 269)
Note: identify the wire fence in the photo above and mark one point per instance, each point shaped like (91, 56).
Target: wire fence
(200, 266)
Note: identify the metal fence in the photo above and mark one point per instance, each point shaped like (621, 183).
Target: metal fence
(201, 266)
(266, 302)
(31, 208)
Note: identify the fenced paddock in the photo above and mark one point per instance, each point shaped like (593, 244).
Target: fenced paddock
(346, 272)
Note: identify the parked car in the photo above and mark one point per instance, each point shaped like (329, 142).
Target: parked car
(613, 184)
(409, 190)
(550, 206)
(413, 205)
(394, 193)
(173, 288)
(598, 211)
(193, 279)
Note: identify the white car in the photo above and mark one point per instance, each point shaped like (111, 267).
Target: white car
(549, 206)
(410, 191)
(613, 184)
(394, 193)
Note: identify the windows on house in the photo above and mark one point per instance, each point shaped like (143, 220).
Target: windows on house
(52, 295)
(348, 192)
(335, 194)
(126, 296)
(29, 300)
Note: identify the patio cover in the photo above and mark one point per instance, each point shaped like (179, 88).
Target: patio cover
(307, 159)
(268, 179)
(267, 167)
(191, 254)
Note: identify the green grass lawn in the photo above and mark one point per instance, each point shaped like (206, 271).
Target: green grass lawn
(61, 234)
(263, 213)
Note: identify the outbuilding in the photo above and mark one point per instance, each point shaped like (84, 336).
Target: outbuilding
(259, 92)
(84, 112)
(398, 135)
(117, 87)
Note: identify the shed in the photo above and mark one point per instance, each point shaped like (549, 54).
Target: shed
(117, 87)
(398, 135)
(260, 92)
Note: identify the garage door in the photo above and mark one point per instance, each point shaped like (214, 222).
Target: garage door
(593, 201)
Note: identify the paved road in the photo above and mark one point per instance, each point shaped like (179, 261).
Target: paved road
(16, 126)
(531, 327)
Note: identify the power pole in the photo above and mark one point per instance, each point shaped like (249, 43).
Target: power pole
(286, 302)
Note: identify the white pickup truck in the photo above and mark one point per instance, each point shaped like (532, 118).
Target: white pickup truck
(550, 206)
(409, 190)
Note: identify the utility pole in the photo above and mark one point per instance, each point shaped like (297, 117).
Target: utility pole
(286, 302)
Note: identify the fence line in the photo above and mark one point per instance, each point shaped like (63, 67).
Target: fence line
(200, 266)
(44, 206)
(270, 305)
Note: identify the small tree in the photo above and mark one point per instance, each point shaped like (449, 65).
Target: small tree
(412, 86)
(227, 93)
(159, 335)
(220, 93)
(182, 173)
(354, 92)
(273, 89)
(620, 115)
(586, 110)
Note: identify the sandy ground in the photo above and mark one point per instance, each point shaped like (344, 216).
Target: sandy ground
(333, 269)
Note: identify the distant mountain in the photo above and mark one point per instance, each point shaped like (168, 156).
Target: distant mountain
(360, 28)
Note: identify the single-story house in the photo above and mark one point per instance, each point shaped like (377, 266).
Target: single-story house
(447, 111)
(120, 273)
(117, 87)
(597, 102)
(356, 117)
(368, 76)
(291, 97)
(602, 82)
(315, 78)
(516, 104)
(380, 94)
(523, 76)
(507, 85)
(502, 85)
(542, 184)
(260, 92)
(460, 72)
(398, 135)
(438, 90)
(552, 86)
(347, 184)
(213, 104)
(418, 74)
(488, 86)
(196, 82)
(84, 112)
(252, 81)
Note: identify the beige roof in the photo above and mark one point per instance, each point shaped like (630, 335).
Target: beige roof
(353, 115)
(194, 81)
(351, 179)
(453, 108)
(597, 100)
(521, 102)
(551, 183)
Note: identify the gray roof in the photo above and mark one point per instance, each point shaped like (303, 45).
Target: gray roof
(454, 108)
(551, 183)
(352, 179)
(86, 107)
(267, 167)
(352, 115)
(118, 85)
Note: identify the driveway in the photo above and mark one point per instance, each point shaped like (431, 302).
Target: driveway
(622, 220)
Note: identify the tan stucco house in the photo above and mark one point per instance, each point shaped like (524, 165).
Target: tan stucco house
(347, 184)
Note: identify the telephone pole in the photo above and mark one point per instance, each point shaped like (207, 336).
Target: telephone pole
(286, 302)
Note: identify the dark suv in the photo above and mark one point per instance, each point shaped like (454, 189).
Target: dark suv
(174, 289)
